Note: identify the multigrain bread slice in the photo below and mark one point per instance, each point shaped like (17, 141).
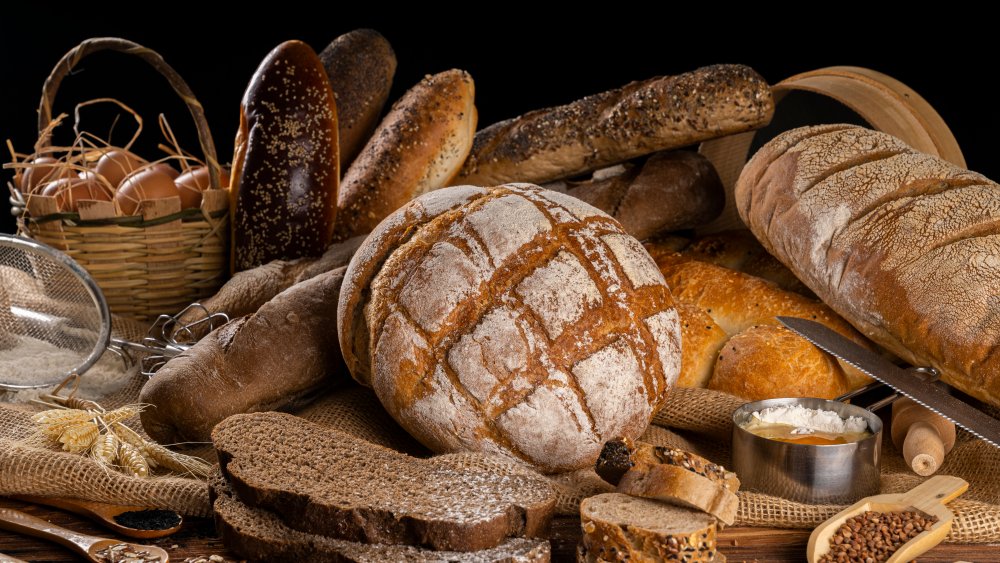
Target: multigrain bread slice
(619, 527)
(259, 535)
(326, 482)
(670, 475)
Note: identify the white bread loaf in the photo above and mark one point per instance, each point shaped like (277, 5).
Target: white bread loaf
(902, 244)
(510, 319)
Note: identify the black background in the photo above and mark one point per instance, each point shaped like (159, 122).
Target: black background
(517, 66)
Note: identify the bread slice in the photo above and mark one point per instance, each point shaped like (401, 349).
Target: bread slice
(326, 482)
(259, 535)
(618, 527)
(670, 475)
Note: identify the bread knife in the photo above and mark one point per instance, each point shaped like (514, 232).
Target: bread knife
(931, 395)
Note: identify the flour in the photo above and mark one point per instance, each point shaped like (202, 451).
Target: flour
(808, 421)
(25, 360)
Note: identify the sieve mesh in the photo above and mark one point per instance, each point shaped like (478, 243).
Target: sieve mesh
(49, 306)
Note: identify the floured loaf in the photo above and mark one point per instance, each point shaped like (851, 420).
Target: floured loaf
(510, 319)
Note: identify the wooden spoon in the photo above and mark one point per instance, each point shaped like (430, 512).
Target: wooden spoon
(104, 513)
(928, 497)
(87, 546)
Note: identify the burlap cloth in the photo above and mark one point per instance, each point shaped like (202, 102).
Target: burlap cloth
(693, 419)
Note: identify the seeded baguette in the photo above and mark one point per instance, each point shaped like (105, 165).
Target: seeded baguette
(618, 527)
(670, 475)
(640, 118)
(260, 535)
(326, 482)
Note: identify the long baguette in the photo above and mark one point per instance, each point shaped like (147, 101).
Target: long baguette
(640, 118)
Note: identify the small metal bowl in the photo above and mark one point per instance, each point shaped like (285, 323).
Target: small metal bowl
(828, 474)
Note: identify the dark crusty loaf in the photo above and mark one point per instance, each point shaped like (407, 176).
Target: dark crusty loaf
(603, 129)
(668, 192)
(326, 482)
(260, 535)
(265, 361)
(360, 65)
(285, 168)
(671, 475)
(902, 244)
(618, 527)
(418, 147)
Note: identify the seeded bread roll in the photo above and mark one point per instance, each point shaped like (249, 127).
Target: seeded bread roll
(360, 65)
(260, 535)
(285, 168)
(618, 527)
(640, 118)
(325, 482)
(510, 319)
(418, 148)
(901, 243)
(740, 251)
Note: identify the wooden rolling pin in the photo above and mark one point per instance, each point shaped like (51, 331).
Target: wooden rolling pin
(924, 437)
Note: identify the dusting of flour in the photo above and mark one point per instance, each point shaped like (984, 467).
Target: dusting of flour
(809, 421)
(24, 360)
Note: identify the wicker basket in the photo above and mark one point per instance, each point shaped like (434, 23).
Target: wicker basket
(149, 264)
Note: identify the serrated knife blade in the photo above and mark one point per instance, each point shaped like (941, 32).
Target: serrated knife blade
(929, 395)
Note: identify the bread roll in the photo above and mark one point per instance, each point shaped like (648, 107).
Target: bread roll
(737, 302)
(417, 148)
(748, 366)
(285, 169)
(640, 118)
(739, 250)
(668, 192)
(510, 319)
(360, 65)
(701, 341)
(263, 362)
(902, 244)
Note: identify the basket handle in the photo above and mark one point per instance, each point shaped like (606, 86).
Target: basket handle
(69, 61)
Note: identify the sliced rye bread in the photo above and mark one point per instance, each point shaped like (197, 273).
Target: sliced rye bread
(618, 527)
(326, 482)
(670, 475)
(259, 535)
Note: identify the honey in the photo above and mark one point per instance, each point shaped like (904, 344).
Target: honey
(794, 435)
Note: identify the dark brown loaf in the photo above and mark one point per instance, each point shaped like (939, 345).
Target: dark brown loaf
(326, 482)
(902, 244)
(360, 65)
(266, 361)
(259, 535)
(640, 118)
(510, 319)
(285, 168)
(668, 192)
(418, 147)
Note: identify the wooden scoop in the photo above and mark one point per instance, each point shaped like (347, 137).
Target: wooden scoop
(87, 546)
(104, 514)
(923, 436)
(928, 497)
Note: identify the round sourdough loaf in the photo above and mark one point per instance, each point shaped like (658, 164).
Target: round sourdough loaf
(510, 319)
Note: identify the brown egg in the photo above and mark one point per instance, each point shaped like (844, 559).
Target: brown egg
(167, 169)
(191, 183)
(116, 164)
(45, 170)
(69, 192)
(142, 186)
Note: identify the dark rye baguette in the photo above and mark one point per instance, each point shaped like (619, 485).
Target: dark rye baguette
(418, 147)
(326, 482)
(360, 65)
(270, 360)
(259, 535)
(902, 244)
(640, 118)
(670, 475)
(619, 527)
(667, 192)
(285, 167)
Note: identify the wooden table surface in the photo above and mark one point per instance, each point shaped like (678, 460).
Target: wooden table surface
(197, 539)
